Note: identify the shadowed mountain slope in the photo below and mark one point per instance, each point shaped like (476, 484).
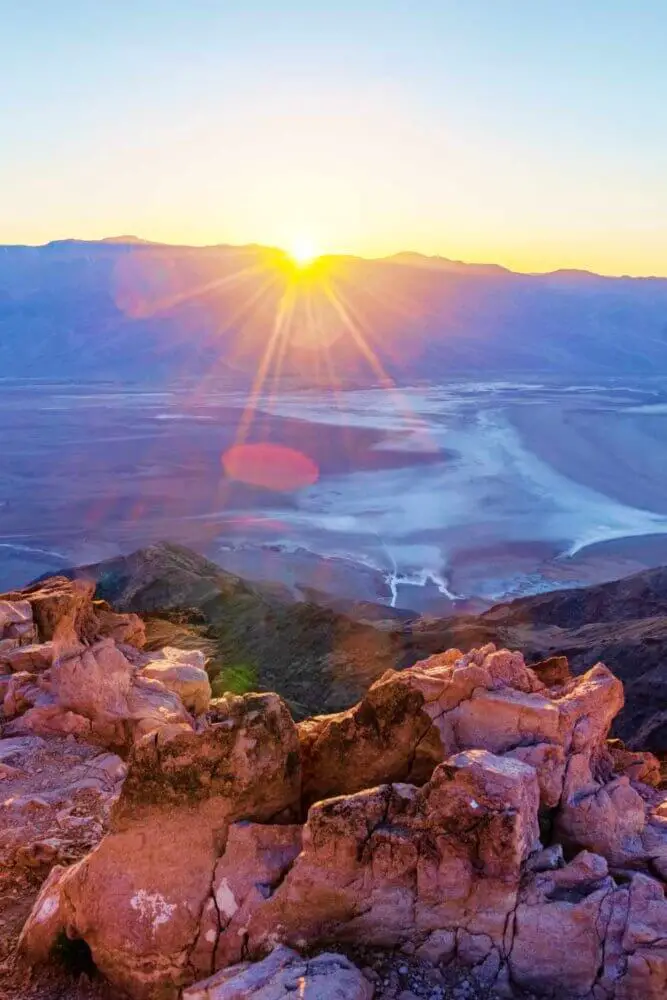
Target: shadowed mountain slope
(321, 660)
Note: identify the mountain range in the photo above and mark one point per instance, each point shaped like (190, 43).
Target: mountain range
(136, 310)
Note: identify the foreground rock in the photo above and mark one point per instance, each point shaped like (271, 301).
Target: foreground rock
(55, 798)
(320, 660)
(140, 899)
(69, 665)
(460, 787)
(283, 975)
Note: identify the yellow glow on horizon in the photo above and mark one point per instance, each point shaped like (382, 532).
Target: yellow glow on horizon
(302, 251)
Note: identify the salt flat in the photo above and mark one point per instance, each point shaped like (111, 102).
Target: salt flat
(460, 492)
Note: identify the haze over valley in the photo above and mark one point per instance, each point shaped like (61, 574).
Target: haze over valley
(504, 438)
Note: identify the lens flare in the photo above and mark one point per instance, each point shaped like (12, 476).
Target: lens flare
(270, 466)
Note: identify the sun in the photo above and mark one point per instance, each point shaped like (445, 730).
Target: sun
(302, 251)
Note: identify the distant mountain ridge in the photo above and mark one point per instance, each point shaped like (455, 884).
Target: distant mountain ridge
(124, 308)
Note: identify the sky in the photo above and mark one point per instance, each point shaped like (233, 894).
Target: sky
(531, 133)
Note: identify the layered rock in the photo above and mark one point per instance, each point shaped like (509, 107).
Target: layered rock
(437, 815)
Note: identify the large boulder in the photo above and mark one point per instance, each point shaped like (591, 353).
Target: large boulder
(410, 721)
(138, 899)
(392, 865)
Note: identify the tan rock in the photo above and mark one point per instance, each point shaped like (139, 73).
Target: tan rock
(638, 766)
(122, 628)
(552, 672)
(181, 671)
(386, 737)
(46, 922)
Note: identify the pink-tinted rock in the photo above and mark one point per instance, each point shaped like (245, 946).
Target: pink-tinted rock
(99, 684)
(16, 612)
(555, 930)
(22, 692)
(607, 818)
(64, 610)
(34, 658)
(138, 899)
(55, 801)
(391, 865)
(48, 720)
(548, 759)
(411, 721)
(577, 933)
(256, 859)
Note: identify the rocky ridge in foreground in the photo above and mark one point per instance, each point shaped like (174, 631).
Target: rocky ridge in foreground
(468, 813)
(323, 660)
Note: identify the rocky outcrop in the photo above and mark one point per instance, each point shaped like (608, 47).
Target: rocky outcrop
(68, 667)
(56, 799)
(320, 660)
(63, 609)
(410, 721)
(138, 900)
(468, 808)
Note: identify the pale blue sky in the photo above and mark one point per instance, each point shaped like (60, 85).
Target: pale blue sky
(530, 133)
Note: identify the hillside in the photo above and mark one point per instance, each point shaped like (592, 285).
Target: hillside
(322, 660)
(451, 836)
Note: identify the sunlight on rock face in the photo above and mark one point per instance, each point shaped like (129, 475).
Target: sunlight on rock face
(271, 466)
